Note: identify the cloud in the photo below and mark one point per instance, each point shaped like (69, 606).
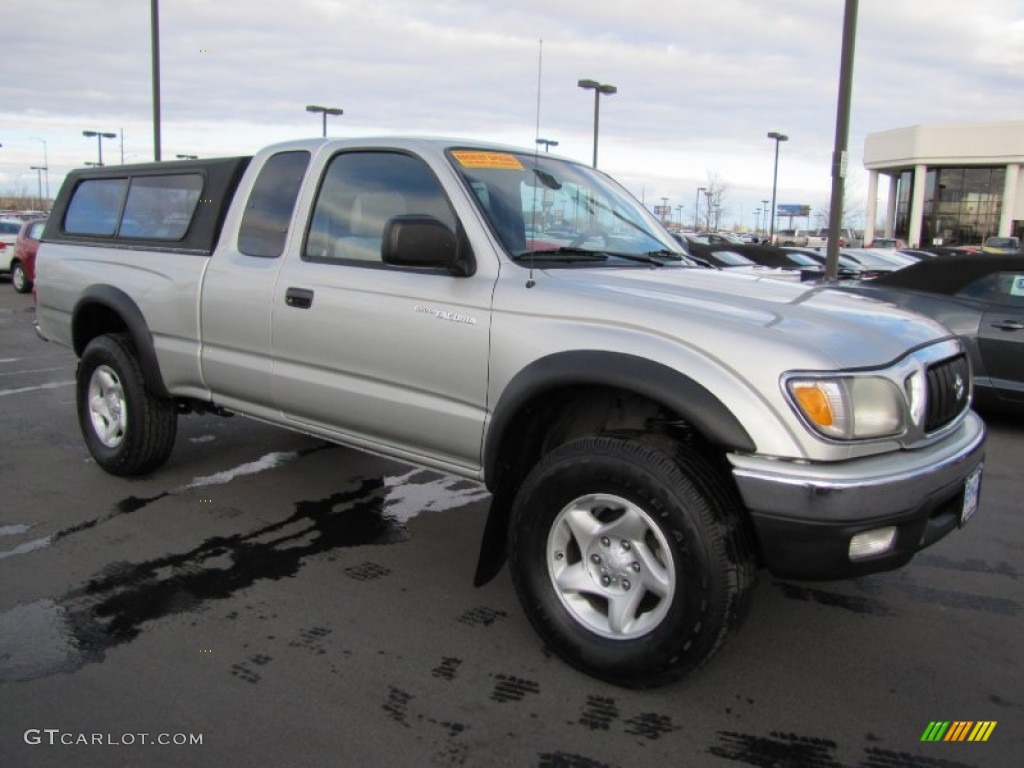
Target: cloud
(699, 84)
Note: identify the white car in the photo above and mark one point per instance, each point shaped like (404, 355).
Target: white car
(9, 229)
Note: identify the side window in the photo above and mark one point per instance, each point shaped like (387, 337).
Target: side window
(359, 193)
(1002, 288)
(35, 231)
(161, 207)
(271, 203)
(95, 207)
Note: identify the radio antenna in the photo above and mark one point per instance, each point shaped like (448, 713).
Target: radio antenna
(540, 70)
(536, 157)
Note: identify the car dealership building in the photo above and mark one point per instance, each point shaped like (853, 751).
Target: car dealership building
(948, 184)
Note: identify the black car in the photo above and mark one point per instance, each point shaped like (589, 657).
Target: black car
(981, 299)
(810, 264)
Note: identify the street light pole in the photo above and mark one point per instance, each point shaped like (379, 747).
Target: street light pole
(696, 210)
(778, 137)
(100, 136)
(325, 111)
(154, 32)
(46, 165)
(709, 194)
(39, 183)
(835, 220)
(548, 144)
(598, 89)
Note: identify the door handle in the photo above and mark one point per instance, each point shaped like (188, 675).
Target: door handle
(1009, 325)
(300, 298)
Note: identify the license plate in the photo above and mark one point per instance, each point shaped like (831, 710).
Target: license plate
(972, 489)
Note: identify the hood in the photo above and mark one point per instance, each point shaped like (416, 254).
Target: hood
(734, 310)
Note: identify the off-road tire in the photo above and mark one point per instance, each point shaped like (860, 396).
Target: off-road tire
(660, 500)
(128, 430)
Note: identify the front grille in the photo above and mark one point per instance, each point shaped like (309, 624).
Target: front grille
(949, 386)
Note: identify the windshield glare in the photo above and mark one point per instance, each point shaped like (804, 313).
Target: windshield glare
(537, 204)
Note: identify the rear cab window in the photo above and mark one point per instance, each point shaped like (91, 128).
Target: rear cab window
(271, 204)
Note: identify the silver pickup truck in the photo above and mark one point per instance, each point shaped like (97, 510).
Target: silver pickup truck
(652, 432)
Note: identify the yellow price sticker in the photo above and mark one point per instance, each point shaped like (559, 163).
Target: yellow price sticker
(477, 159)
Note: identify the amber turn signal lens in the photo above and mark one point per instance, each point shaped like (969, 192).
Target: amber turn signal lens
(814, 404)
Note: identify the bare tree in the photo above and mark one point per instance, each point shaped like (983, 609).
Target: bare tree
(715, 192)
(853, 205)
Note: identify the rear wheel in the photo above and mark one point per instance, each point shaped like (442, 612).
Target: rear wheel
(630, 558)
(19, 279)
(128, 430)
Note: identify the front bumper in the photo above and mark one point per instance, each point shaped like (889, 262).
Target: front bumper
(805, 514)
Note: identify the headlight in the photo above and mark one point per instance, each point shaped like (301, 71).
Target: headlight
(849, 407)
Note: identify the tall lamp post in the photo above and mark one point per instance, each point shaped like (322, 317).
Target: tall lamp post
(778, 137)
(548, 144)
(325, 111)
(709, 194)
(100, 136)
(696, 210)
(679, 214)
(39, 182)
(598, 89)
(46, 165)
(764, 214)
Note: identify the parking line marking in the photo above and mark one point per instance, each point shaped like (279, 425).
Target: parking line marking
(33, 370)
(51, 385)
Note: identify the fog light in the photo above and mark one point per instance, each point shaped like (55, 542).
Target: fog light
(874, 542)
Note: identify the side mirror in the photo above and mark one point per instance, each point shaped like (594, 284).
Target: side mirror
(418, 240)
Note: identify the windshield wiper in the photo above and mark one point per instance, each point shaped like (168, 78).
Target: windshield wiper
(667, 255)
(688, 259)
(572, 253)
(564, 253)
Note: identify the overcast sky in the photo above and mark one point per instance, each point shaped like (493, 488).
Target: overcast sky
(699, 83)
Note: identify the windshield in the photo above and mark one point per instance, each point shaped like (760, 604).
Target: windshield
(556, 211)
(731, 259)
(803, 259)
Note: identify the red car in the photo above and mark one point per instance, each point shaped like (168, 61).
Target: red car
(23, 262)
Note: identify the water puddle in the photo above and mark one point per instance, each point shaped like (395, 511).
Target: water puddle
(58, 636)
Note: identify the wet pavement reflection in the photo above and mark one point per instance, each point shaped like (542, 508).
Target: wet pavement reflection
(53, 636)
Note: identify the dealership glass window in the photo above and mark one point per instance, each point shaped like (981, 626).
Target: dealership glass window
(95, 207)
(962, 205)
(161, 207)
(905, 185)
(269, 209)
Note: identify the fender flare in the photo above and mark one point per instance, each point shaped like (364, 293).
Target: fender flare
(664, 385)
(122, 305)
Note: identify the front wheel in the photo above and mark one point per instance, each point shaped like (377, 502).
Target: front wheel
(19, 279)
(128, 430)
(630, 558)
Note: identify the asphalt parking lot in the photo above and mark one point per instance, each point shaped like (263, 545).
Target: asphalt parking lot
(287, 602)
